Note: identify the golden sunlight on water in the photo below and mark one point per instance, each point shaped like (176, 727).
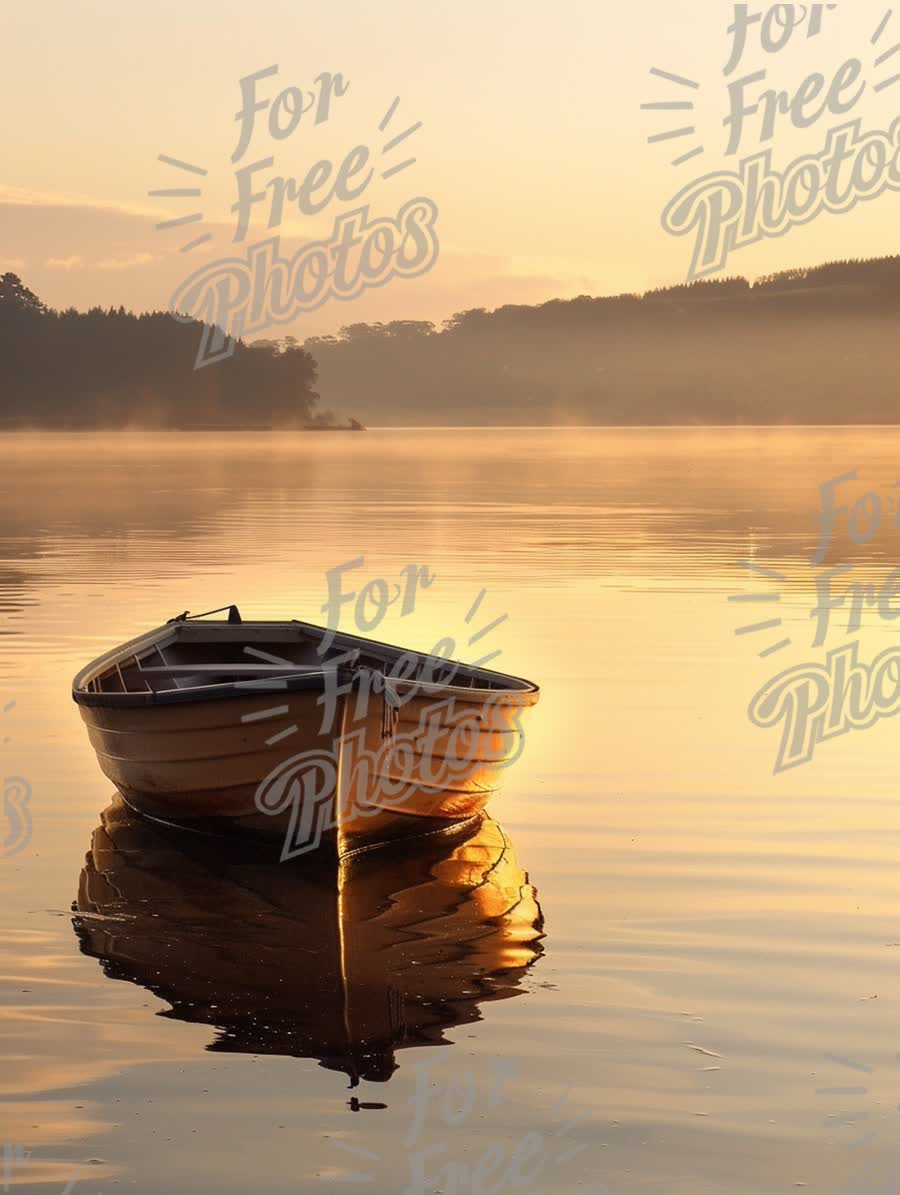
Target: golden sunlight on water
(704, 953)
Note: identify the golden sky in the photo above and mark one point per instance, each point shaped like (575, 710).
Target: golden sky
(533, 143)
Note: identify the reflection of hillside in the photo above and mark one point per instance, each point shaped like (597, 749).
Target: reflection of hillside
(604, 502)
(106, 500)
(16, 585)
(392, 949)
(102, 485)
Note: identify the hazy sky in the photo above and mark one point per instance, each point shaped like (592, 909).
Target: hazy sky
(533, 143)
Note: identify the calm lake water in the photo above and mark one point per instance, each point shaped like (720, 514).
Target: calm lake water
(663, 967)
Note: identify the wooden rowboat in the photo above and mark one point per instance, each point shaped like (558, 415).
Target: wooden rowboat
(291, 729)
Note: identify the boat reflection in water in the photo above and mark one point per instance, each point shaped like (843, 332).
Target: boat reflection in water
(340, 961)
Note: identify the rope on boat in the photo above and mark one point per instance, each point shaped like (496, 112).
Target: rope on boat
(390, 700)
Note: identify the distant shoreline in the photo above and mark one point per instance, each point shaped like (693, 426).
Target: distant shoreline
(135, 429)
(143, 429)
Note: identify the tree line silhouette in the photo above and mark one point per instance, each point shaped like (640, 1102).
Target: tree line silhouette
(117, 369)
(813, 345)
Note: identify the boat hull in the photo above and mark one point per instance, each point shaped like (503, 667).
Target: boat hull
(215, 764)
(304, 758)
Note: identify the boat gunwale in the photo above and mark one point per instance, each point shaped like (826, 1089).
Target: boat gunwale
(309, 681)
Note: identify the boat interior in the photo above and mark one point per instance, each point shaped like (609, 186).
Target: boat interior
(188, 654)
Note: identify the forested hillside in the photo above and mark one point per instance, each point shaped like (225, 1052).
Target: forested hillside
(803, 346)
(116, 369)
